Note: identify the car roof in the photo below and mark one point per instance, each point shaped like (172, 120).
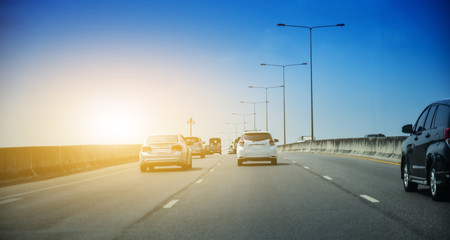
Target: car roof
(443, 101)
(255, 132)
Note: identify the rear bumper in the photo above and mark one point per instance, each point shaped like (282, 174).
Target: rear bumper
(162, 160)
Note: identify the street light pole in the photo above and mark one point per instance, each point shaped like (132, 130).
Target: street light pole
(235, 125)
(254, 112)
(267, 108)
(310, 63)
(284, 94)
(243, 114)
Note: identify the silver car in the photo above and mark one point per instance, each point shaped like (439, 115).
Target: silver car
(256, 146)
(165, 150)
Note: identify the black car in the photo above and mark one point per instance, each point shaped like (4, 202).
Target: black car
(426, 152)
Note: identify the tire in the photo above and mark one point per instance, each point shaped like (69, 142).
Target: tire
(239, 162)
(407, 184)
(203, 155)
(274, 161)
(436, 190)
(143, 168)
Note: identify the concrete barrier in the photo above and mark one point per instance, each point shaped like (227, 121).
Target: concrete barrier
(383, 148)
(42, 161)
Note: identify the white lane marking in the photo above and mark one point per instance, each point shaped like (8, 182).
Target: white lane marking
(327, 178)
(212, 170)
(219, 164)
(199, 181)
(66, 184)
(284, 158)
(369, 198)
(305, 167)
(294, 162)
(171, 203)
(9, 200)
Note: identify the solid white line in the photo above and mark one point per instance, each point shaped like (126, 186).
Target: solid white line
(9, 200)
(370, 199)
(66, 184)
(199, 181)
(171, 203)
(305, 167)
(327, 178)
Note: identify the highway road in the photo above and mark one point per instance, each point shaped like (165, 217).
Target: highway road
(305, 196)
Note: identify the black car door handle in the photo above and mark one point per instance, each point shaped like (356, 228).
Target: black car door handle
(416, 138)
(428, 135)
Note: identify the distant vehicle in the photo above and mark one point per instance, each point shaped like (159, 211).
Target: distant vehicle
(196, 145)
(236, 141)
(207, 149)
(165, 150)
(215, 145)
(257, 146)
(426, 152)
(375, 135)
(230, 149)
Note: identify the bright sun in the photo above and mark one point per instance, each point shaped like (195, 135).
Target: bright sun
(115, 123)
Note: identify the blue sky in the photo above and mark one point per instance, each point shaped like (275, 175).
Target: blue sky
(98, 72)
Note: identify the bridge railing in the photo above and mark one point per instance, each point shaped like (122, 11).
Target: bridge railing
(383, 148)
(35, 161)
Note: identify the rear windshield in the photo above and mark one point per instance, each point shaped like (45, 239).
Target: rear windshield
(192, 139)
(162, 138)
(214, 140)
(257, 136)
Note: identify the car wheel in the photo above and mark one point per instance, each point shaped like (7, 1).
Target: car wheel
(436, 190)
(274, 161)
(143, 168)
(240, 162)
(203, 155)
(407, 184)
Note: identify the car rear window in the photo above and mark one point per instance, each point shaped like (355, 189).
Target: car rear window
(257, 136)
(192, 139)
(442, 116)
(162, 138)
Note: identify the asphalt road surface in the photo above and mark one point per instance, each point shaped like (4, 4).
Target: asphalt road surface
(305, 196)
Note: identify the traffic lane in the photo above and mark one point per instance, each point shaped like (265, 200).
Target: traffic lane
(260, 201)
(96, 207)
(382, 182)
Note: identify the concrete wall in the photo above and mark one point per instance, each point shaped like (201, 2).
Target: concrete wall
(37, 161)
(383, 148)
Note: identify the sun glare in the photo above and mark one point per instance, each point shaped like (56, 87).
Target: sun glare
(116, 123)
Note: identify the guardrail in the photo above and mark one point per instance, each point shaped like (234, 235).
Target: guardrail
(36, 161)
(383, 148)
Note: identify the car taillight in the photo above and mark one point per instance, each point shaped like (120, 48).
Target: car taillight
(146, 149)
(447, 133)
(272, 143)
(241, 142)
(177, 148)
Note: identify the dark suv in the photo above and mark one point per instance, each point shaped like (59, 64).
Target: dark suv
(426, 152)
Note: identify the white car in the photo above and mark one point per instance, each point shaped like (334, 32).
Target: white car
(165, 150)
(256, 146)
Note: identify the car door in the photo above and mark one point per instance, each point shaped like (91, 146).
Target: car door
(421, 140)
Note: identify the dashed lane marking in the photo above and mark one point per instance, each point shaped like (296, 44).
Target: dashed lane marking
(294, 162)
(171, 203)
(305, 167)
(199, 181)
(369, 198)
(327, 178)
(212, 170)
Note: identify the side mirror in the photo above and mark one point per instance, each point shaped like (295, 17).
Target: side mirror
(407, 128)
(276, 140)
